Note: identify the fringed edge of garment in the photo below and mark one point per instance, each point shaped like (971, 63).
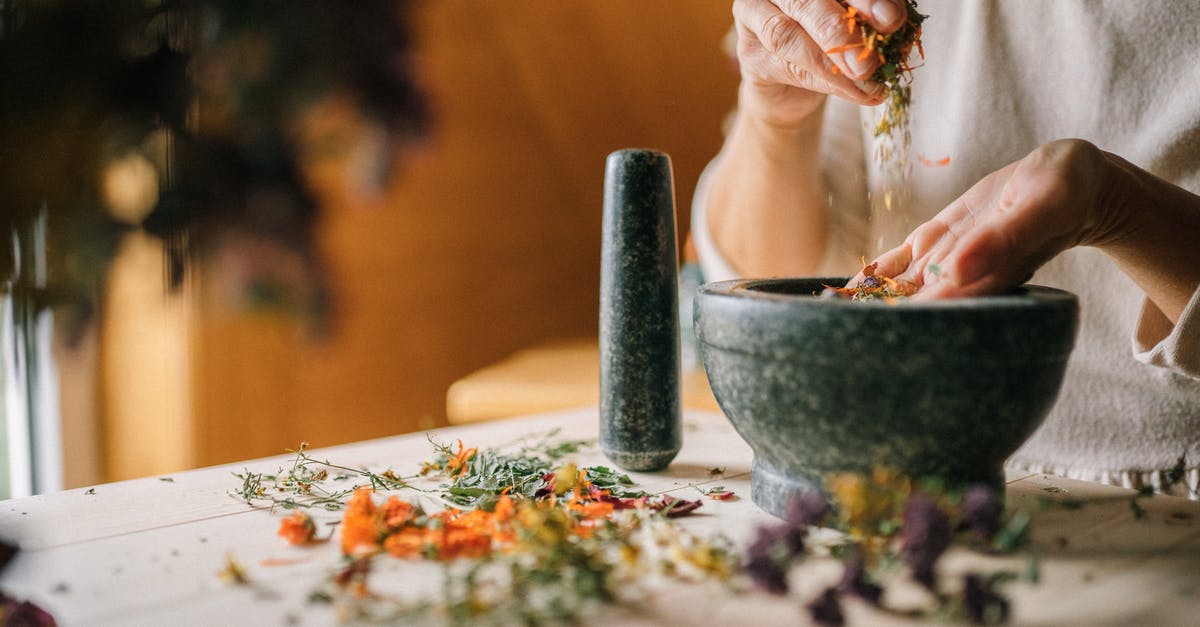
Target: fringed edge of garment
(1159, 480)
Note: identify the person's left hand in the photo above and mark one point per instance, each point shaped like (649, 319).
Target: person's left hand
(1008, 224)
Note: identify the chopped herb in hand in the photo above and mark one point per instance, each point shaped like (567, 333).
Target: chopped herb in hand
(893, 51)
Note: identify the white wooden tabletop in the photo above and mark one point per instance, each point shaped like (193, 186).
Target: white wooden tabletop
(148, 551)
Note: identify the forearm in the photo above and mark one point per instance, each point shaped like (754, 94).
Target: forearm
(1157, 240)
(767, 202)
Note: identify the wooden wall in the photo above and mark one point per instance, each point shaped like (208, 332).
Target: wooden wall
(490, 239)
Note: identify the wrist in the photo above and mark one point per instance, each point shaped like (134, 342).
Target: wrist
(765, 198)
(1151, 234)
(1126, 193)
(777, 144)
(1110, 222)
(779, 109)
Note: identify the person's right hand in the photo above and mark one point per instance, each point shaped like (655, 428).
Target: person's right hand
(782, 46)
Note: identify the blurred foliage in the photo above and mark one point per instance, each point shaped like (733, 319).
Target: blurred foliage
(190, 120)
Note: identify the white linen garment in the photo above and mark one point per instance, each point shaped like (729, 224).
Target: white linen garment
(1001, 78)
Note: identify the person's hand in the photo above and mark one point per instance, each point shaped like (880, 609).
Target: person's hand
(1008, 224)
(782, 46)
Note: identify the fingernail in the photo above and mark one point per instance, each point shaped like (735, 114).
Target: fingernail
(886, 13)
(856, 66)
(870, 88)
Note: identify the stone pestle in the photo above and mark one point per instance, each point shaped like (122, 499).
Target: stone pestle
(640, 421)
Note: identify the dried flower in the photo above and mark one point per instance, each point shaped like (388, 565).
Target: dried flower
(298, 528)
(233, 572)
(360, 525)
(458, 465)
(7, 553)
(674, 507)
(395, 512)
(924, 537)
(983, 604)
(869, 506)
(24, 613)
(827, 609)
(354, 576)
(981, 511)
(854, 580)
(772, 553)
(808, 509)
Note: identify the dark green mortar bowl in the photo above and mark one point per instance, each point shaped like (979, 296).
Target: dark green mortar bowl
(816, 386)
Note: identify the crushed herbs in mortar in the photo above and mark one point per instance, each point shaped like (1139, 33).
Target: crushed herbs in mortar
(872, 287)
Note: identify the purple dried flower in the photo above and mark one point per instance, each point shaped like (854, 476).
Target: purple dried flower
(925, 536)
(827, 609)
(981, 511)
(807, 509)
(871, 282)
(984, 605)
(777, 546)
(854, 581)
(771, 554)
(7, 553)
(23, 613)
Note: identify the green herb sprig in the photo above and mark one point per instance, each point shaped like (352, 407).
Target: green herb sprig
(527, 473)
(304, 484)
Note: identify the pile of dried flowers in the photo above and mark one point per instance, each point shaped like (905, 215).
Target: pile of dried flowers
(892, 526)
(525, 536)
(529, 537)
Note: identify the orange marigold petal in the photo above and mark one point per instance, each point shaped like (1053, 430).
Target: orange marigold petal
(359, 528)
(396, 513)
(505, 509)
(460, 542)
(597, 509)
(845, 48)
(406, 544)
(297, 528)
(930, 163)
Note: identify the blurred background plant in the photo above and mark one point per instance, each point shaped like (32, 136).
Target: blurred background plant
(204, 124)
(192, 120)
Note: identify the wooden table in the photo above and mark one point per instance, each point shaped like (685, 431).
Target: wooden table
(147, 551)
(551, 376)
